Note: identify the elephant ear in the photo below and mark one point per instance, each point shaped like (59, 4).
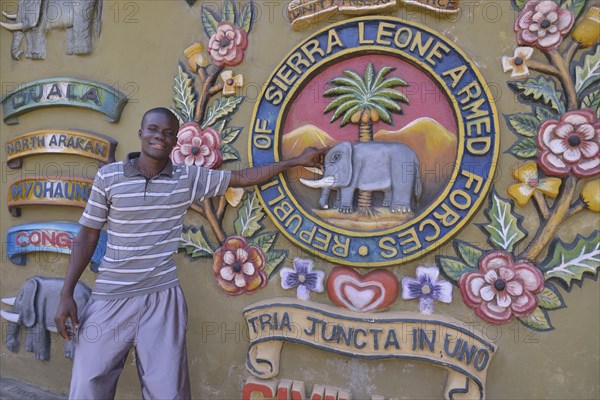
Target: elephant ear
(345, 173)
(28, 311)
(29, 13)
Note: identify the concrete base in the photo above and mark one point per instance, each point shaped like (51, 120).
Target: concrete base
(12, 389)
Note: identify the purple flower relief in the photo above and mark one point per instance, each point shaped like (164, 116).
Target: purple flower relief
(303, 278)
(426, 288)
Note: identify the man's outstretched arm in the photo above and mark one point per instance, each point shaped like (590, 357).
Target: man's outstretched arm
(310, 157)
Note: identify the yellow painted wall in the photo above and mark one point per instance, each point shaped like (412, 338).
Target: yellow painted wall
(138, 51)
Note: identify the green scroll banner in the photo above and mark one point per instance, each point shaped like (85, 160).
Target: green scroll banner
(64, 91)
(443, 341)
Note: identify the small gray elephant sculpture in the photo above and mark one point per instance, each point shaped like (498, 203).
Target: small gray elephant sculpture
(34, 308)
(391, 168)
(35, 17)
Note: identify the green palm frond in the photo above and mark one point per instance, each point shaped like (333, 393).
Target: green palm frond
(344, 108)
(374, 91)
(349, 114)
(393, 94)
(369, 75)
(350, 83)
(383, 113)
(391, 83)
(387, 103)
(358, 79)
(339, 101)
(382, 74)
(338, 90)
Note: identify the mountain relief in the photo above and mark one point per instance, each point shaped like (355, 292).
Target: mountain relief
(434, 145)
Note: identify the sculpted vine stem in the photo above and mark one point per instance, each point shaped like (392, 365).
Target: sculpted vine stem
(213, 221)
(565, 78)
(542, 204)
(208, 89)
(204, 94)
(560, 210)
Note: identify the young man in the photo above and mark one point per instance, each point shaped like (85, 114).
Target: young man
(136, 300)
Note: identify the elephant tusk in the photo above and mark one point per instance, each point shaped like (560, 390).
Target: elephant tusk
(10, 317)
(321, 183)
(52, 329)
(9, 300)
(12, 27)
(315, 170)
(9, 16)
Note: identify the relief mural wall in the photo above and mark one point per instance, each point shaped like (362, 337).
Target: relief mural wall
(457, 205)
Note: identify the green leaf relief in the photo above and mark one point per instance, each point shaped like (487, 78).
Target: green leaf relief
(195, 243)
(183, 95)
(249, 216)
(469, 253)
(519, 3)
(273, 260)
(543, 114)
(228, 12)
(230, 134)
(504, 230)
(576, 6)
(221, 108)
(540, 89)
(247, 17)
(524, 124)
(525, 149)
(592, 101)
(210, 21)
(568, 263)
(549, 299)
(453, 268)
(588, 73)
(229, 153)
(264, 241)
(538, 321)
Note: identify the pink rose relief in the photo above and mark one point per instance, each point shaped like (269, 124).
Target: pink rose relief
(543, 24)
(238, 267)
(502, 288)
(197, 147)
(227, 45)
(571, 144)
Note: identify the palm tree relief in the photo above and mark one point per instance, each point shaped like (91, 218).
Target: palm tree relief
(363, 101)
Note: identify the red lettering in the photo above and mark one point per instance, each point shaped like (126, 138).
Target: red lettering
(21, 243)
(253, 386)
(35, 237)
(48, 238)
(63, 239)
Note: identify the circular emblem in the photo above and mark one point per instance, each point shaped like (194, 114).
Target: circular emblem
(413, 135)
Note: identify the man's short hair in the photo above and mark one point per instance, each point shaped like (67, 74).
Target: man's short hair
(164, 111)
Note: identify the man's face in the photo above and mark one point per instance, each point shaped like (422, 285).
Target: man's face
(158, 135)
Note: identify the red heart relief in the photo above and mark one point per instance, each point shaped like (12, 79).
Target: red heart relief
(374, 291)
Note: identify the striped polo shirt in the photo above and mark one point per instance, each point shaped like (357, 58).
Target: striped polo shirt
(144, 219)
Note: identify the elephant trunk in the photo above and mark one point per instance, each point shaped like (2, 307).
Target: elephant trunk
(10, 317)
(15, 26)
(327, 181)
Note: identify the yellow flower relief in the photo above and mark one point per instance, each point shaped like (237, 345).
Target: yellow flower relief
(527, 175)
(230, 82)
(590, 193)
(194, 56)
(587, 31)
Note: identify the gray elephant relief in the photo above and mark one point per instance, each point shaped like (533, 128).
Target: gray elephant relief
(34, 308)
(35, 17)
(391, 168)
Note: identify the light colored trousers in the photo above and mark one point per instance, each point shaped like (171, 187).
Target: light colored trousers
(154, 324)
